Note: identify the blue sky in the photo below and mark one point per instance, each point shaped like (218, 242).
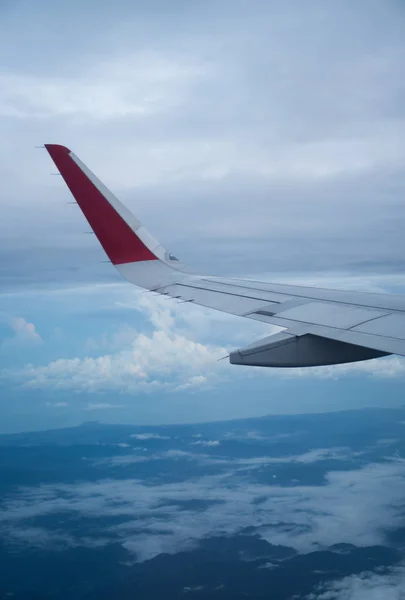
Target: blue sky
(251, 138)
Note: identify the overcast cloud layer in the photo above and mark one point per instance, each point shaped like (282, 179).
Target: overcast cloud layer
(266, 135)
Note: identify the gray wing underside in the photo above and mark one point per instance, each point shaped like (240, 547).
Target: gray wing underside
(320, 326)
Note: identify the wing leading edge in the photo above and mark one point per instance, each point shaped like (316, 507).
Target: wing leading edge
(320, 326)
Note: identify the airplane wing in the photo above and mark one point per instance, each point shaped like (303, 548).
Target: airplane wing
(320, 326)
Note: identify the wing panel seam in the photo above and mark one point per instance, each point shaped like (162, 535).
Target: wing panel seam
(325, 301)
(196, 287)
(369, 321)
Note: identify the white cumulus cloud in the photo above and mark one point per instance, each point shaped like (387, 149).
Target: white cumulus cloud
(163, 359)
(25, 331)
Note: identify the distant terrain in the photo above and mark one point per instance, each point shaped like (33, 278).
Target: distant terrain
(277, 507)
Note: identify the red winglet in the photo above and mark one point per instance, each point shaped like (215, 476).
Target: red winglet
(118, 239)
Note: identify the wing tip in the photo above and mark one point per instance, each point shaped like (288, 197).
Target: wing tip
(110, 221)
(55, 149)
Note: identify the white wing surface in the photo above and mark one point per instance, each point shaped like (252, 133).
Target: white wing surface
(321, 326)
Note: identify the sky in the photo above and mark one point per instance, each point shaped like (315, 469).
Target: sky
(251, 138)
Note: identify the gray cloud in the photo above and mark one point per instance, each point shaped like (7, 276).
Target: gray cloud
(280, 127)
